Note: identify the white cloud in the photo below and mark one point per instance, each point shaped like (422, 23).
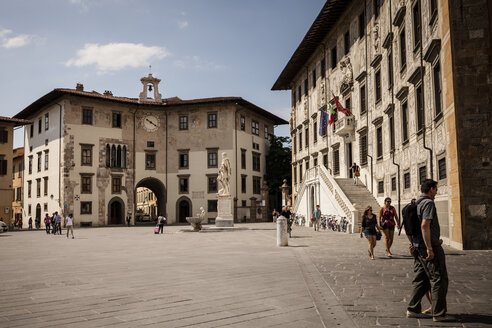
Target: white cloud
(195, 62)
(17, 41)
(75, 1)
(116, 56)
(4, 32)
(182, 24)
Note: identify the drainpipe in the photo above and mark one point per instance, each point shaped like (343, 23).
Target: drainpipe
(59, 159)
(423, 91)
(367, 111)
(167, 187)
(326, 99)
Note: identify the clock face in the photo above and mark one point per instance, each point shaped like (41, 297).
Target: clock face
(151, 123)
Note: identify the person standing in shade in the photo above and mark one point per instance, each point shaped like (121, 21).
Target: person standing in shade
(128, 219)
(47, 221)
(161, 220)
(69, 224)
(430, 260)
(30, 223)
(317, 217)
(355, 172)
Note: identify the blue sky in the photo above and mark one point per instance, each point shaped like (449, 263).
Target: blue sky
(198, 48)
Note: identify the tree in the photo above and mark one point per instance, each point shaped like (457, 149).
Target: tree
(278, 168)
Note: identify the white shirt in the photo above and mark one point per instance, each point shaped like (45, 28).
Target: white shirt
(69, 221)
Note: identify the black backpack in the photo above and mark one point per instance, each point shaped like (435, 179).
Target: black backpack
(411, 220)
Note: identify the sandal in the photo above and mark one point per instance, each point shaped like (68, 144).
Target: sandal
(428, 311)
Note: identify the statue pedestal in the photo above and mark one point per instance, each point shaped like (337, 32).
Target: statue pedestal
(225, 216)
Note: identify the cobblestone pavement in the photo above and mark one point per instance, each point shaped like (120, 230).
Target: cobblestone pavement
(129, 277)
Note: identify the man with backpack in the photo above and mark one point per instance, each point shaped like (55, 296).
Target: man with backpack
(429, 264)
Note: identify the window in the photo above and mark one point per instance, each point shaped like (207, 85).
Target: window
(300, 140)
(29, 188)
(420, 108)
(403, 50)
(299, 95)
(46, 121)
(406, 180)
(441, 167)
(315, 132)
(39, 126)
(333, 57)
(19, 194)
(256, 185)
(212, 158)
(30, 164)
(300, 172)
(20, 171)
(306, 135)
(31, 131)
(256, 161)
(380, 187)
(183, 160)
(38, 187)
(267, 135)
(379, 140)
(323, 68)
(183, 185)
(346, 42)
(295, 175)
(212, 205)
(150, 161)
(39, 162)
(45, 193)
(314, 78)
(255, 128)
(377, 85)
(87, 155)
(183, 122)
(212, 183)
(29, 209)
(87, 116)
(363, 149)
(86, 184)
(307, 164)
(348, 103)
(116, 120)
(294, 143)
(363, 108)
(362, 25)
(315, 161)
(416, 25)
(85, 207)
(108, 156)
(46, 160)
(325, 160)
(422, 174)
(150, 144)
(13, 174)
(433, 10)
(393, 183)
(377, 8)
(243, 159)
(243, 183)
(390, 69)
(243, 119)
(294, 98)
(392, 132)
(212, 120)
(436, 72)
(306, 87)
(45, 207)
(116, 184)
(404, 121)
(256, 146)
(336, 161)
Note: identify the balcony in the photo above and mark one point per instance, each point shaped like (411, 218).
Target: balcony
(344, 125)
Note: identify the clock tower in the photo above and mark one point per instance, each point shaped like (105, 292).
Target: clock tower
(150, 91)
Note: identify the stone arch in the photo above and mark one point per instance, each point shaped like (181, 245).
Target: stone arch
(184, 208)
(158, 189)
(116, 211)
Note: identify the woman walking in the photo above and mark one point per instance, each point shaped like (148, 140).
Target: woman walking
(387, 221)
(369, 226)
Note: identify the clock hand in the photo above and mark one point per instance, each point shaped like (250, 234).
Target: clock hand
(151, 122)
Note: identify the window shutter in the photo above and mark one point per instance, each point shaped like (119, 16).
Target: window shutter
(3, 163)
(5, 136)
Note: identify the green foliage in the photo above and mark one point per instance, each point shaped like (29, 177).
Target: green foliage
(278, 165)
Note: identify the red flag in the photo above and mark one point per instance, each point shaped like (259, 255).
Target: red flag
(333, 111)
(340, 108)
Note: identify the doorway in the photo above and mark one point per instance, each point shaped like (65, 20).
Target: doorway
(116, 211)
(349, 159)
(183, 209)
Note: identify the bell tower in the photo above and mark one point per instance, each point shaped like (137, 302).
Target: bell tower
(150, 91)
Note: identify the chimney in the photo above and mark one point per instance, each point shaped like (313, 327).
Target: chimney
(79, 87)
(108, 93)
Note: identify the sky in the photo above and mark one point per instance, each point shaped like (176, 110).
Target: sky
(198, 48)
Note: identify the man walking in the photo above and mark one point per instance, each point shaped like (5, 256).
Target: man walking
(430, 264)
(317, 217)
(47, 221)
(160, 221)
(58, 223)
(69, 224)
(128, 219)
(355, 172)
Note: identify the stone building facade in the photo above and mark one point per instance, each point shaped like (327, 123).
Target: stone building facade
(17, 184)
(98, 149)
(416, 75)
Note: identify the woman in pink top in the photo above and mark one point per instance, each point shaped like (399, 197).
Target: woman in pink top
(387, 221)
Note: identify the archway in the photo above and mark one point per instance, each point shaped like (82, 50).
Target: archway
(38, 211)
(183, 209)
(150, 200)
(312, 201)
(116, 211)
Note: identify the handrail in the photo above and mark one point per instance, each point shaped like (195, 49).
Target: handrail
(324, 173)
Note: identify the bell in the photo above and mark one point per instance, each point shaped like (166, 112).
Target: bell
(150, 87)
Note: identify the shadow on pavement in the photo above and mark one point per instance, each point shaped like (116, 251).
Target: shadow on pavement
(474, 318)
(298, 246)
(301, 237)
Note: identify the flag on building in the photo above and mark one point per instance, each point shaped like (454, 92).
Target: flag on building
(333, 112)
(340, 108)
(323, 123)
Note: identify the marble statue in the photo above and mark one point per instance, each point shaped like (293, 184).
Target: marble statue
(224, 177)
(201, 215)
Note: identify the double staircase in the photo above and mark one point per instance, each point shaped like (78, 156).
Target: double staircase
(336, 196)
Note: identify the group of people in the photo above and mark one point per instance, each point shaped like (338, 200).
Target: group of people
(53, 224)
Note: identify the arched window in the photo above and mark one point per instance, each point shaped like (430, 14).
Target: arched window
(118, 157)
(108, 156)
(123, 157)
(113, 156)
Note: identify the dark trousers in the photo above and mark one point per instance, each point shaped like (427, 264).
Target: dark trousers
(430, 275)
(161, 228)
(58, 226)
(48, 228)
(53, 226)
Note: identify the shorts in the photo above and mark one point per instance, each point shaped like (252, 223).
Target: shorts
(367, 234)
(392, 228)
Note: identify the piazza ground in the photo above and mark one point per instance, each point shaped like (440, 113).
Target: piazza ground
(129, 277)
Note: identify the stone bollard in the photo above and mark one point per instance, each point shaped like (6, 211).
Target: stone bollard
(282, 236)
